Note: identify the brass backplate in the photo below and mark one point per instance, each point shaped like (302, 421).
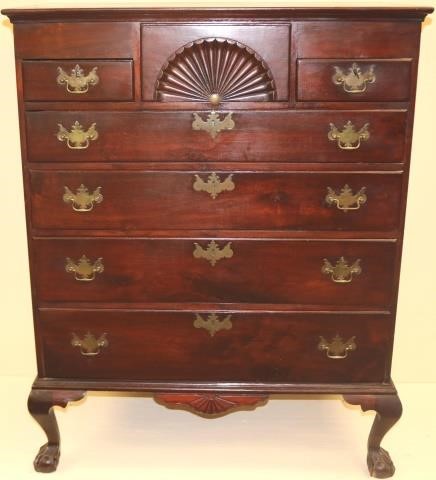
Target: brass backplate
(84, 270)
(212, 323)
(346, 200)
(354, 81)
(77, 138)
(77, 82)
(348, 138)
(213, 186)
(213, 253)
(338, 348)
(89, 345)
(82, 200)
(213, 125)
(341, 272)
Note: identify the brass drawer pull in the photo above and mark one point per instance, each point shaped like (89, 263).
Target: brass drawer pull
(84, 270)
(337, 349)
(213, 125)
(346, 200)
(213, 252)
(214, 186)
(82, 200)
(213, 324)
(354, 81)
(77, 81)
(348, 138)
(90, 345)
(77, 138)
(341, 272)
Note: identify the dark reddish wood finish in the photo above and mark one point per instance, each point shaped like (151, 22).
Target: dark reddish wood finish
(85, 40)
(115, 80)
(222, 14)
(258, 136)
(270, 42)
(276, 219)
(40, 404)
(388, 411)
(260, 271)
(269, 201)
(348, 40)
(392, 83)
(210, 405)
(260, 347)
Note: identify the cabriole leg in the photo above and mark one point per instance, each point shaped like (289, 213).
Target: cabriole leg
(389, 409)
(40, 404)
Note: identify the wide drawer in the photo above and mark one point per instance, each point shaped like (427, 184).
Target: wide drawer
(211, 200)
(353, 80)
(285, 136)
(78, 80)
(215, 270)
(214, 346)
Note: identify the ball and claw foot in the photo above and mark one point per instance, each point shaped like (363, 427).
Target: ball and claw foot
(380, 464)
(47, 459)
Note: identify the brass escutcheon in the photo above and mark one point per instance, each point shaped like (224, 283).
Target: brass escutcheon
(82, 200)
(213, 125)
(354, 81)
(89, 345)
(77, 138)
(346, 200)
(213, 252)
(84, 270)
(348, 138)
(77, 81)
(213, 324)
(337, 349)
(341, 272)
(214, 186)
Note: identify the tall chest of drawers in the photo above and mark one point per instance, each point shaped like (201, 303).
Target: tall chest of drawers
(215, 204)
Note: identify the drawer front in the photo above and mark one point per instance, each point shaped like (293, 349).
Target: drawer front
(240, 347)
(354, 80)
(78, 80)
(189, 62)
(219, 270)
(53, 40)
(212, 200)
(311, 136)
(381, 39)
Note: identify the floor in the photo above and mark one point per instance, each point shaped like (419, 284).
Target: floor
(109, 436)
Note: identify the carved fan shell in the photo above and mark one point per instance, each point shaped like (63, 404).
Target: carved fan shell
(210, 405)
(215, 69)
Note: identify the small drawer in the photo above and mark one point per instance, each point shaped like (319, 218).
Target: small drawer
(78, 80)
(353, 80)
(72, 39)
(215, 200)
(224, 346)
(357, 39)
(346, 273)
(362, 136)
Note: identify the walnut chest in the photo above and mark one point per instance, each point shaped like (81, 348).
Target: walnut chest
(215, 204)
